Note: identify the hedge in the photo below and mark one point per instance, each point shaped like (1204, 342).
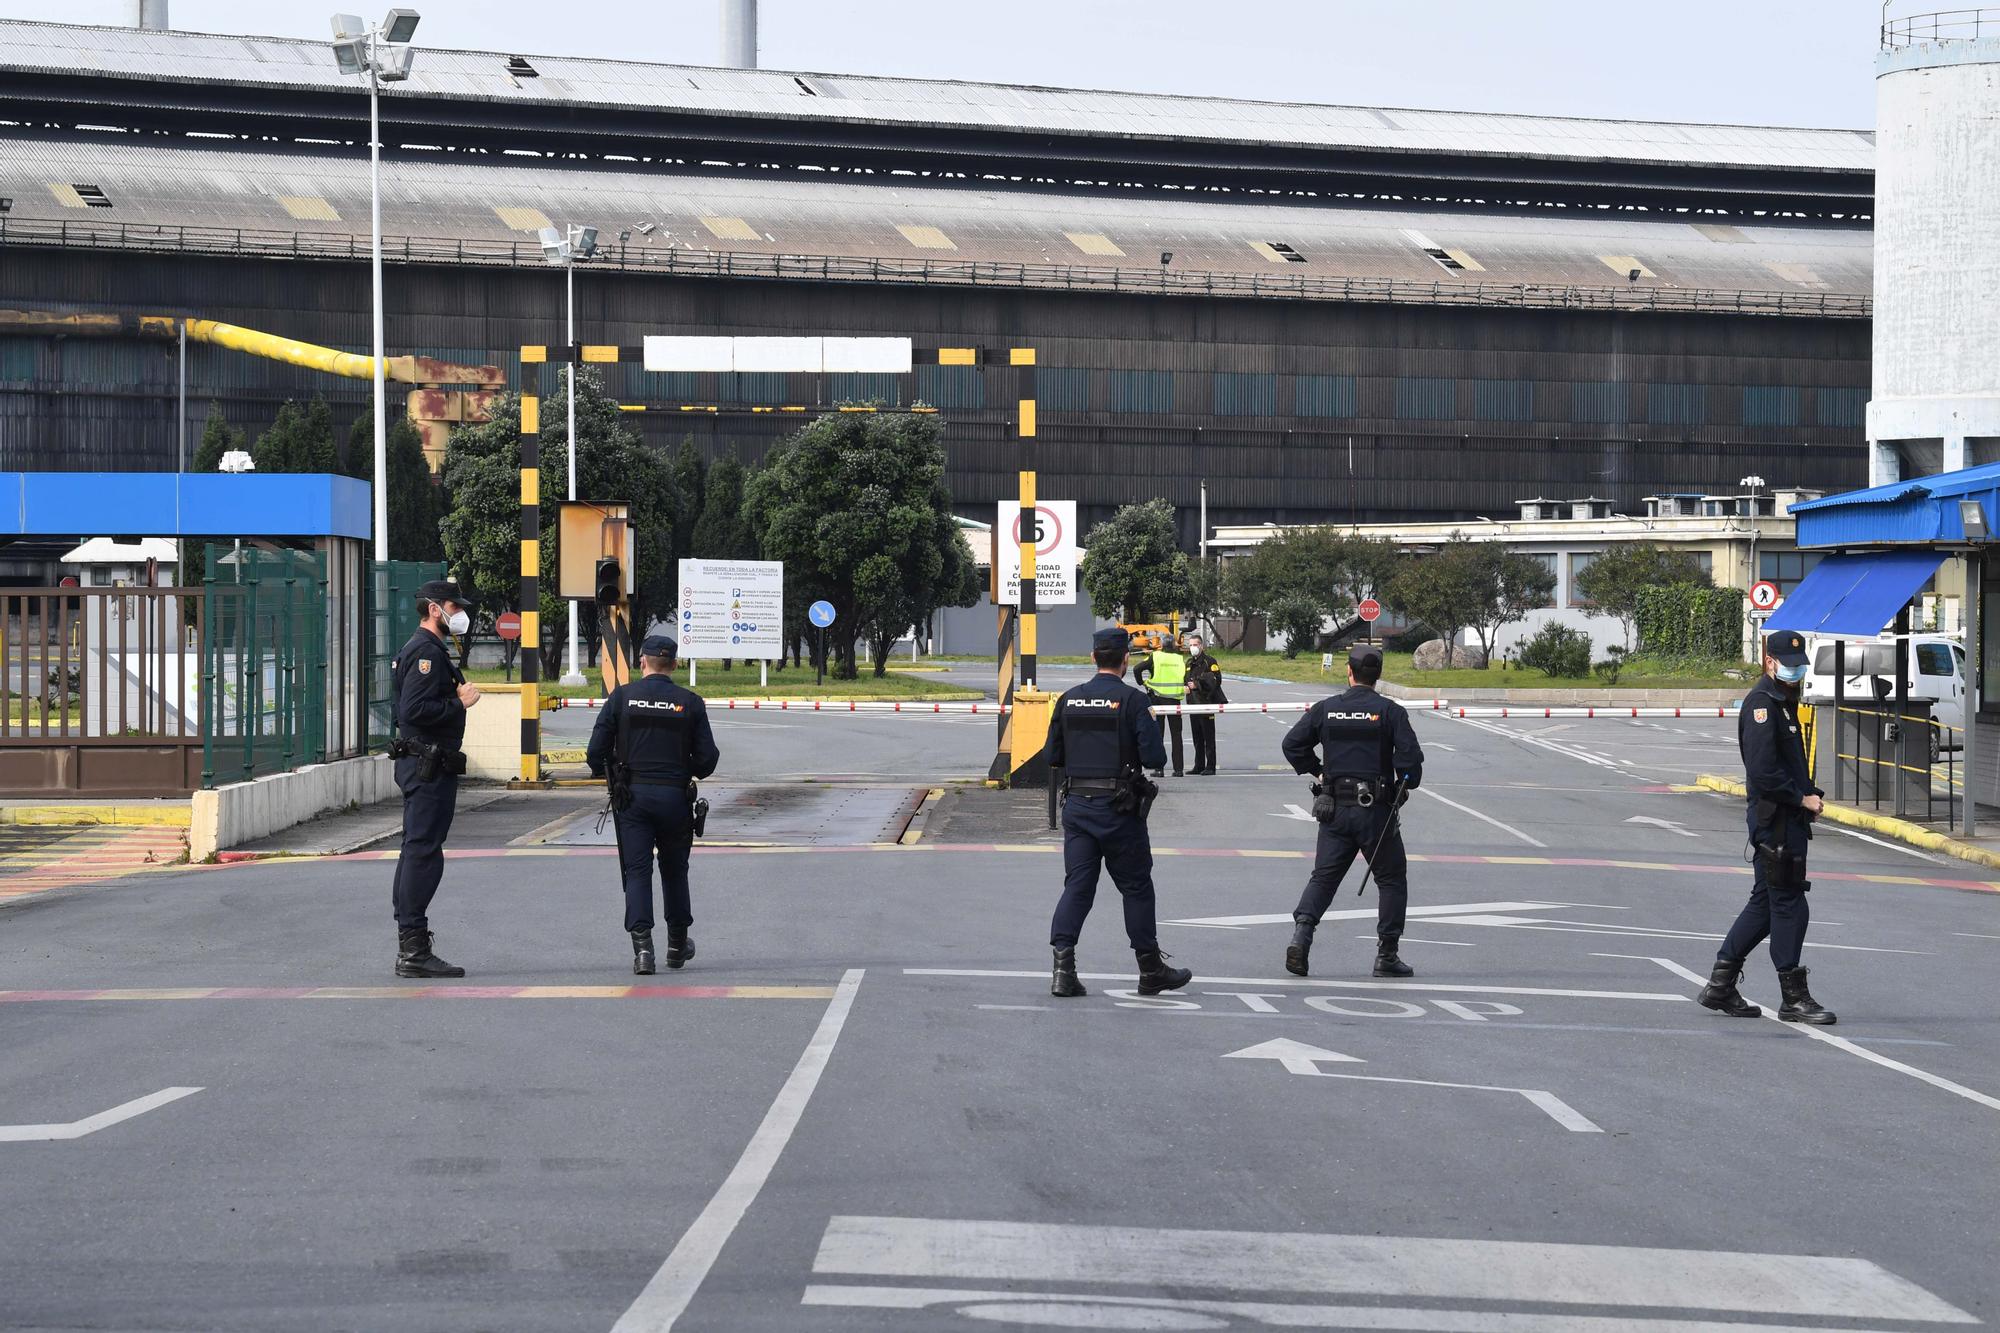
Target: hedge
(1691, 620)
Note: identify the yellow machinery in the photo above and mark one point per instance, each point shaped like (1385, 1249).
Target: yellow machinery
(1147, 638)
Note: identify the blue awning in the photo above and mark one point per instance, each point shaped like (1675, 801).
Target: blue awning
(1855, 596)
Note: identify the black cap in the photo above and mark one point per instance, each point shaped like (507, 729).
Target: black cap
(1362, 653)
(446, 590)
(1114, 638)
(659, 645)
(1788, 646)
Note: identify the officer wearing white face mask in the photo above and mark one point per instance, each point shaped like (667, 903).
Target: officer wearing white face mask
(431, 700)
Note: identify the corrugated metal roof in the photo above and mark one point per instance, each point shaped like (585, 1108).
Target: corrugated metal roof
(1914, 511)
(212, 183)
(272, 62)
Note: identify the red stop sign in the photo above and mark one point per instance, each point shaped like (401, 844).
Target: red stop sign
(508, 625)
(1370, 610)
(68, 581)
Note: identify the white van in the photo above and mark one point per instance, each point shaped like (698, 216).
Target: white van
(1937, 673)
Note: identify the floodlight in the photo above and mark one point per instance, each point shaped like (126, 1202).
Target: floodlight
(349, 25)
(1166, 258)
(1973, 518)
(623, 236)
(393, 63)
(400, 26)
(1633, 276)
(585, 244)
(6, 204)
(554, 248)
(351, 53)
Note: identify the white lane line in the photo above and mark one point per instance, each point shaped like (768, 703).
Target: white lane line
(666, 1297)
(1536, 1273)
(1364, 914)
(76, 1129)
(1411, 939)
(1966, 934)
(1008, 974)
(1884, 842)
(1466, 809)
(1820, 1034)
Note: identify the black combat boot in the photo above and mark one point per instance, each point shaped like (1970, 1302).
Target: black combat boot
(1155, 976)
(1299, 952)
(642, 953)
(1387, 964)
(1798, 1005)
(1721, 995)
(680, 949)
(415, 959)
(1062, 981)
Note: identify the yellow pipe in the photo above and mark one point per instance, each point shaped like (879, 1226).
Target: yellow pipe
(309, 355)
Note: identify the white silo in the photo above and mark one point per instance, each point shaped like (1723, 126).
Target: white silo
(1936, 404)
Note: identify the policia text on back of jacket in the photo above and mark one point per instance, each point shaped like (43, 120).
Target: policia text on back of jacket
(1368, 763)
(653, 741)
(430, 701)
(1102, 738)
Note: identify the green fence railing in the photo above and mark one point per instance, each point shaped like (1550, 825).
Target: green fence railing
(263, 662)
(392, 619)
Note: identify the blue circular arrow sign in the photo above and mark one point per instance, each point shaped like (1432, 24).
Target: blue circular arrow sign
(821, 614)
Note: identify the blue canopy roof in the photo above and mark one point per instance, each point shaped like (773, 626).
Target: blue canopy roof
(183, 504)
(1855, 596)
(1919, 511)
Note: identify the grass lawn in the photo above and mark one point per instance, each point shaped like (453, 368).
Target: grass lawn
(1398, 668)
(741, 683)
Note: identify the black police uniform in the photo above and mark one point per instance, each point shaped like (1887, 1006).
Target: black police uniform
(1777, 782)
(667, 744)
(430, 735)
(1102, 736)
(1204, 686)
(1365, 745)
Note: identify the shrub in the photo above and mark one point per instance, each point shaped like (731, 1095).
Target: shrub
(1691, 620)
(1557, 650)
(1614, 662)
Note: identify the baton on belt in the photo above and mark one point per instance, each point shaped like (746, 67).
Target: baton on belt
(1395, 813)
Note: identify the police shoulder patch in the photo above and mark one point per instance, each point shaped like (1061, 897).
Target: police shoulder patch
(424, 669)
(1760, 715)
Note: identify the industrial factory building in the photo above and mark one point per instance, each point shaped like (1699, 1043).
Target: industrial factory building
(1328, 313)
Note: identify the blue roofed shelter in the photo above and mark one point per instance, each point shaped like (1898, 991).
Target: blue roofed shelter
(145, 690)
(1890, 540)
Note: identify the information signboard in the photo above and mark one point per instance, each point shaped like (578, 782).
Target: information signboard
(732, 608)
(1055, 553)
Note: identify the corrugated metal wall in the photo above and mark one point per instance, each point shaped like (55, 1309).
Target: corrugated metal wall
(1451, 412)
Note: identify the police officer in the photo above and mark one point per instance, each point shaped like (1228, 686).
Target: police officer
(430, 701)
(1782, 803)
(1103, 737)
(1163, 676)
(652, 737)
(1204, 686)
(1368, 762)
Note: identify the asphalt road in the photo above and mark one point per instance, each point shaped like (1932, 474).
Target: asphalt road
(860, 1109)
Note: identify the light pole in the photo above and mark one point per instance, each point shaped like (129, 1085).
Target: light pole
(1755, 483)
(383, 53)
(564, 248)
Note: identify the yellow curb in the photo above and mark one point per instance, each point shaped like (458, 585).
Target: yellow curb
(1902, 830)
(128, 816)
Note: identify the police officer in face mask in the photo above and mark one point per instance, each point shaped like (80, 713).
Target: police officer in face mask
(1368, 763)
(430, 701)
(1782, 804)
(652, 739)
(1102, 737)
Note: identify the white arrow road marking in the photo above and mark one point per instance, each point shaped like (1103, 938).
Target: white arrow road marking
(1295, 1056)
(76, 1129)
(1299, 1058)
(1293, 812)
(1363, 914)
(1667, 824)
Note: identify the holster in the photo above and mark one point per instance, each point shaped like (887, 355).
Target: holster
(1784, 868)
(1135, 795)
(618, 786)
(698, 804)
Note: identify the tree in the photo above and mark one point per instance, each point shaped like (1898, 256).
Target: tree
(690, 479)
(1613, 580)
(1298, 577)
(1204, 596)
(1444, 590)
(856, 507)
(299, 440)
(1133, 567)
(416, 497)
(482, 530)
(1510, 585)
(218, 437)
(721, 532)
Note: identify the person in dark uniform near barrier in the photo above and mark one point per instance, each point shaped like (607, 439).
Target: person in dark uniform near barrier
(430, 703)
(1103, 738)
(653, 740)
(1782, 803)
(1368, 764)
(1163, 676)
(1204, 686)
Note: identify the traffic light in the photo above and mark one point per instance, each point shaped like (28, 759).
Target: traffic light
(610, 583)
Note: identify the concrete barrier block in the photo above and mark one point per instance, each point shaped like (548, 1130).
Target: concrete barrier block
(241, 812)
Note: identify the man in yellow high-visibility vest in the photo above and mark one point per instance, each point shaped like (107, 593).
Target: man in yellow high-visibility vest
(1163, 676)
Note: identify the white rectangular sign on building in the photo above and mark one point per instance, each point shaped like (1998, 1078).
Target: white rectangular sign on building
(1055, 553)
(887, 356)
(732, 608)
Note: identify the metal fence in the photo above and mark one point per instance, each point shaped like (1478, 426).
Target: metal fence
(263, 663)
(392, 619)
(177, 239)
(98, 693)
(1945, 25)
(1905, 764)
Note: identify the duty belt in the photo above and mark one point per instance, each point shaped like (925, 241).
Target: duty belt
(1095, 784)
(1363, 792)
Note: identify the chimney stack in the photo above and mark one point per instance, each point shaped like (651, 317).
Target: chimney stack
(739, 32)
(148, 15)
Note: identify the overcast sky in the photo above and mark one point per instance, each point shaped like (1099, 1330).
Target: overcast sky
(1762, 62)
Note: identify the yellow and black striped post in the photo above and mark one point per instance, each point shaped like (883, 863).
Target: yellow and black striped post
(1023, 359)
(532, 361)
